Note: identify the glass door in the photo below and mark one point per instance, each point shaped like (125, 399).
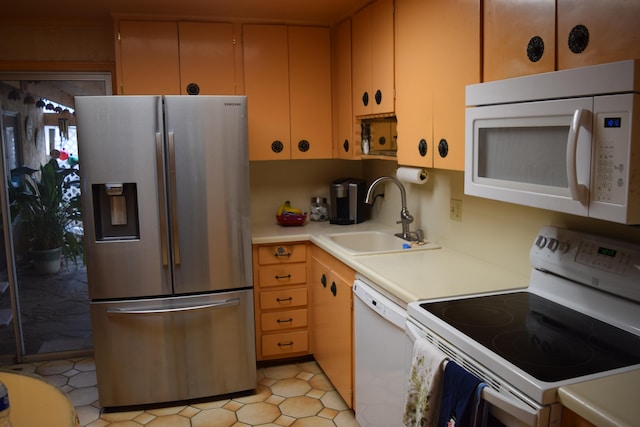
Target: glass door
(45, 308)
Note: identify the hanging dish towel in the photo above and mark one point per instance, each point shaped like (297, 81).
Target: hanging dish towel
(458, 393)
(425, 382)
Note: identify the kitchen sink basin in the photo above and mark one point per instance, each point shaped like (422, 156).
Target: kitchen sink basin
(376, 242)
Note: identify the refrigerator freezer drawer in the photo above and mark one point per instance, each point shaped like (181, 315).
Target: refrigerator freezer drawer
(169, 349)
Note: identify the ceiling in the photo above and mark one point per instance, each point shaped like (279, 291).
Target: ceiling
(319, 12)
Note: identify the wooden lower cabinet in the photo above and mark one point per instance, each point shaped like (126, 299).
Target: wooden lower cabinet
(332, 320)
(571, 419)
(281, 300)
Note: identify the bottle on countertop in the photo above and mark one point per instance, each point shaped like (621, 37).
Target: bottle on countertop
(5, 421)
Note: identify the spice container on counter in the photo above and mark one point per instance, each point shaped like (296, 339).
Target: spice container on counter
(319, 209)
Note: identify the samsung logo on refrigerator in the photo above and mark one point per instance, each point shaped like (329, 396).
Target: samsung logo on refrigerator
(232, 104)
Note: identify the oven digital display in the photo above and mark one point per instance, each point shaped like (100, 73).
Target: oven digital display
(607, 251)
(612, 122)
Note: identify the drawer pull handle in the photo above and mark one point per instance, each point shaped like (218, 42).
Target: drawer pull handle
(289, 320)
(334, 288)
(284, 299)
(280, 251)
(288, 276)
(323, 280)
(285, 344)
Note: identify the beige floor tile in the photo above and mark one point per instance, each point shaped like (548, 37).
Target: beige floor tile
(258, 413)
(290, 387)
(281, 372)
(170, 421)
(301, 406)
(214, 418)
(333, 400)
(313, 422)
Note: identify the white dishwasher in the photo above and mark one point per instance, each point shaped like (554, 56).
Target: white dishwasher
(380, 358)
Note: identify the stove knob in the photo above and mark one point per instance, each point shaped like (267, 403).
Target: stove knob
(553, 244)
(564, 247)
(541, 242)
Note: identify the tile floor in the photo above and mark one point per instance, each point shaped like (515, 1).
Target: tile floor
(291, 395)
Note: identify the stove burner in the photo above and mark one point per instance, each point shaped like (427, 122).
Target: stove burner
(478, 315)
(542, 350)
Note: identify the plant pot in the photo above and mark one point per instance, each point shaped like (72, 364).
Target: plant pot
(47, 261)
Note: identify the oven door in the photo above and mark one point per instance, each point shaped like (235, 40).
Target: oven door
(507, 408)
(536, 153)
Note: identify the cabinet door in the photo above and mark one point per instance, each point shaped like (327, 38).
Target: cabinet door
(267, 87)
(345, 146)
(612, 28)
(361, 64)
(373, 66)
(414, 83)
(382, 64)
(310, 92)
(207, 58)
(510, 27)
(456, 64)
(332, 327)
(148, 59)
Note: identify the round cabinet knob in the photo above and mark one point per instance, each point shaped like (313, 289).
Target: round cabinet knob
(365, 99)
(443, 148)
(277, 146)
(193, 89)
(378, 97)
(423, 147)
(303, 145)
(578, 39)
(535, 49)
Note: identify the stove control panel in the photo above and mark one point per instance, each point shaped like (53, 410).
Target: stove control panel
(607, 264)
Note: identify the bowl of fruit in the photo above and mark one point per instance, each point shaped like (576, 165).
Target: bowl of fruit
(288, 216)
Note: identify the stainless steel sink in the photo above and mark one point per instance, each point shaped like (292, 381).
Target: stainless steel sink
(376, 242)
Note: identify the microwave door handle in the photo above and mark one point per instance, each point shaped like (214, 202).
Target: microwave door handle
(513, 407)
(578, 191)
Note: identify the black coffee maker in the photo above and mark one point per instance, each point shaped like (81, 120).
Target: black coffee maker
(347, 204)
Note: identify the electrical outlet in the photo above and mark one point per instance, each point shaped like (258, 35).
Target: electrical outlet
(455, 210)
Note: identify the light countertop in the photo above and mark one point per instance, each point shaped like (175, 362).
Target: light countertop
(404, 276)
(606, 402)
(444, 272)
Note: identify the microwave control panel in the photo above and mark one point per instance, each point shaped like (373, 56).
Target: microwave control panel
(612, 120)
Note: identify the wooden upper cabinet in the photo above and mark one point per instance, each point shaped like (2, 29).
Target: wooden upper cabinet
(611, 28)
(456, 64)
(173, 58)
(266, 83)
(519, 38)
(148, 59)
(288, 82)
(310, 92)
(207, 58)
(345, 146)
(414, 83)
(373, 65)
(438, 54)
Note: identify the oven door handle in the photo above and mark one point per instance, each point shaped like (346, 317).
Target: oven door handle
(513, 407)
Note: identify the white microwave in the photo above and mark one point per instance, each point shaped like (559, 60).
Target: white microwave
(567, 141)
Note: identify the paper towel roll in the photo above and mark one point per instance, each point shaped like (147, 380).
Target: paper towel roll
(412, 175)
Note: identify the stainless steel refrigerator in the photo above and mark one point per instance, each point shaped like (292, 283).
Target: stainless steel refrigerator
(165, 191)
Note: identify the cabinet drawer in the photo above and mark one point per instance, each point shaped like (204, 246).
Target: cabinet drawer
(286, 343)
(283, 298)
(286, 274)
(279, 254)
(280, 320)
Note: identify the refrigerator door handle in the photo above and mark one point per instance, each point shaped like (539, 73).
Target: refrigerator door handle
(161, 311)
(174, 196)
(161, 201)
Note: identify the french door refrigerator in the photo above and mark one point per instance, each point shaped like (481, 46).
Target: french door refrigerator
(165, 191)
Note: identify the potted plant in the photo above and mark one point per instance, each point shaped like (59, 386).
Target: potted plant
(47, 215)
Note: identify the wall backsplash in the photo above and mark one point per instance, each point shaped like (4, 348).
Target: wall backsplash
(497, 232)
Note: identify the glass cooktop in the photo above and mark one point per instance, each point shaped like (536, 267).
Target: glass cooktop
(547, 340)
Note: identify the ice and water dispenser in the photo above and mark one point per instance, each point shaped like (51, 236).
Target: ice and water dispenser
(115, 210)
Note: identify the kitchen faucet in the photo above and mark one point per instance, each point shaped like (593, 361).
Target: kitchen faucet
(405, 217)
